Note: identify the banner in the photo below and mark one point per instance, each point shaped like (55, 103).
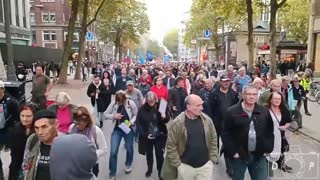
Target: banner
(166, 58)
(141, 58)
(149, 56)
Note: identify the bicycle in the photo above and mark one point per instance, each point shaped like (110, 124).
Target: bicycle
(314, 92)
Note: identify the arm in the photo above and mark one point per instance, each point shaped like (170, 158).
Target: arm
(269, 136)
(226, 135)
(134, 110)
(101, 142)
(108, 114)
(213, 146)
(89, 91)
(172, 152)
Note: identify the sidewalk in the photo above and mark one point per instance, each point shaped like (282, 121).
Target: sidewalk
(311, 124)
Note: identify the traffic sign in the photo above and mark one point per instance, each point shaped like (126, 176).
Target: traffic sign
(207, 33)
(90, 36)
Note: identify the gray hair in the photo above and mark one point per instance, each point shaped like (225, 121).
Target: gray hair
(151, 96)
(249, 86)
(62, 98)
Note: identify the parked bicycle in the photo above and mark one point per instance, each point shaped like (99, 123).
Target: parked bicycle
(314, 93)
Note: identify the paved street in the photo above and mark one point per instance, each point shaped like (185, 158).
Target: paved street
(77, 90)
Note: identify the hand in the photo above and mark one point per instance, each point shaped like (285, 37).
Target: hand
(236, 156)
(117, 116)
(46, 94)
(163, 115)
(92, 94)
(150, 136)
(282, 128)
(174, 108)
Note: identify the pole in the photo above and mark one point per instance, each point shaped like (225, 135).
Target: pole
(11, 72)
(224, 47)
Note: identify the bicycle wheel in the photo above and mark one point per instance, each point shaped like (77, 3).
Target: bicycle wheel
(312, 95)
(318, 97)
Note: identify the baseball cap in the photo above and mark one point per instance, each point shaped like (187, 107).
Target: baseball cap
(1, 84)
(44, 114)
(129, 83)
(224, 78)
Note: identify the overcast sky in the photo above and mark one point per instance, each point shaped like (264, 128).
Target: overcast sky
(165, 15)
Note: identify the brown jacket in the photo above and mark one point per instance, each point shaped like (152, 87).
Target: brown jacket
(176, 144)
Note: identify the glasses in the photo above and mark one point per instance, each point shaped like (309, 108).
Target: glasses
(82, 117)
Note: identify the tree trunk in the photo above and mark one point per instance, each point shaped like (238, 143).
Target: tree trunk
(273, 37)
(67, 50)
(84, 26)
(120, 53)
(250, 33)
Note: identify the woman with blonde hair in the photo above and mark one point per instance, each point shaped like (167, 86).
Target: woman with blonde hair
(64, 111)
(85, 125)
(258, 83)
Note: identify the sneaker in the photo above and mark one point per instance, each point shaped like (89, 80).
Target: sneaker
(112, 177)
(128, 169)
(308, 114)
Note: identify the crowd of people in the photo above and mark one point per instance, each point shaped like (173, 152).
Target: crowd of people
(192, 112)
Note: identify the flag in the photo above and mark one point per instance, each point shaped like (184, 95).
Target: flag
(149, 56)
(166, 58)
(204, 54)
(141, 58)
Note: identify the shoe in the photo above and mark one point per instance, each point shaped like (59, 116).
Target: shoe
(148, 173)
(308, 114)
(112, 177)
(286, 168)
(128, 169)
(229, 173)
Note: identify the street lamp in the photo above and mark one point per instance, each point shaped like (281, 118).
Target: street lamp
(11, 74)
(223, 44)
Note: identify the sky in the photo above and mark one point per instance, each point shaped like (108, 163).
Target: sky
(165, 15)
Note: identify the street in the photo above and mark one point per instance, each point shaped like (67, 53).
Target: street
(301, 147)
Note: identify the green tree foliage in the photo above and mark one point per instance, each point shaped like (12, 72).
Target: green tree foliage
(170, 40)
(294, 17)
(122, 21)
(204, 15)
(153, 47)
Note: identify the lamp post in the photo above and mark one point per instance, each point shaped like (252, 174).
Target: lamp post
(223, 44)
(11, 72)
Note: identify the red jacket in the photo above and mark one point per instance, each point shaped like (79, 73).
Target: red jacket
(149, 80)
(160, 92)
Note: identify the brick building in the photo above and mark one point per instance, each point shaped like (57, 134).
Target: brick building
(49, 23)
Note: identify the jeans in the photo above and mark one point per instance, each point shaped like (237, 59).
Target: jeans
(99, 116)
(116, 137)
(257, 166)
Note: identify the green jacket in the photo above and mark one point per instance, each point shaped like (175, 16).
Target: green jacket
(176, 144)
(31, 157)
(264, 97)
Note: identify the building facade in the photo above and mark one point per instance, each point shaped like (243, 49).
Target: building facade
(49, 23)
(314, 36)
(20, 24)
(185, 53)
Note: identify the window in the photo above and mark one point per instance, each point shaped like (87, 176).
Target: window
(49, 36)
(17, 12)
(52, 45)
(1, 12)
(24, 14)
(32, 18)
(63, 17)
(47, 0)
(49, 17)
(76, 37)
(34, 37)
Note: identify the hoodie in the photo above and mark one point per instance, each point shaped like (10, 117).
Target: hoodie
(72, 157)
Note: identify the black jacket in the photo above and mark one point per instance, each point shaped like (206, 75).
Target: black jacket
(121, 83)
(10, 109)
(176, 98)
(236, 128)
(102, 97)
(172, 82)
(218, 103)
(144, 117)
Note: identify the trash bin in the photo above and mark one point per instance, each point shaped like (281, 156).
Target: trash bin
(17, 90)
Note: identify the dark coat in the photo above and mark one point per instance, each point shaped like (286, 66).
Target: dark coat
(176, 98)
(145, 114)
(236, 129)
(101, 101)
(11, 109)
(172, 82)
(121, 83)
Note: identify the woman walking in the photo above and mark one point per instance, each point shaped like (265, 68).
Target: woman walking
(152, 128)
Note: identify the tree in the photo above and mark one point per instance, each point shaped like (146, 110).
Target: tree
(84, 26)
(250, 32)
(275, 5)
(154, 47)
(69, 41)
(294, 17)
(204, 14)
(123, 21)
(170, 40)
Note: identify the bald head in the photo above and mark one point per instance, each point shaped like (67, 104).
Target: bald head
(191, 98)
(194, 105)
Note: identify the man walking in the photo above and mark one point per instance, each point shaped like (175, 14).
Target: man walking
(221, 99)
(247, 135)
(177, 95)
(37, 152)
(191, 145)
